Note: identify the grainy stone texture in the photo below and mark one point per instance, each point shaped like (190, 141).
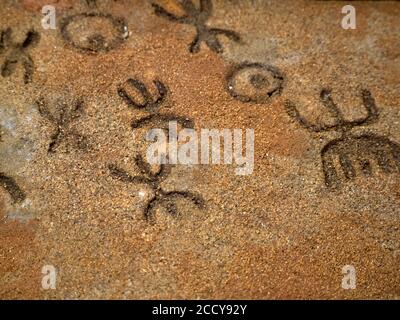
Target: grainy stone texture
(280, 232)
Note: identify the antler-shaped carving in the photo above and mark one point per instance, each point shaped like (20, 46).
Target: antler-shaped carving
(341, 124)
(198, 17)
(150, 103)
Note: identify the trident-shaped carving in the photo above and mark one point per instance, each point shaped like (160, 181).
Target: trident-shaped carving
(355, 153)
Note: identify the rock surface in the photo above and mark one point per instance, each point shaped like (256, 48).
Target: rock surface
(280, 232)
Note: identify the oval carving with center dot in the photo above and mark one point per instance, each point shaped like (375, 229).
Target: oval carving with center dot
(254, 82)
(94, 32)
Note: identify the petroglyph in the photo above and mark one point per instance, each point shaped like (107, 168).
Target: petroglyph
(198, 18)
(254, 82)
(18, 53)
(61, 117)
(355, 154)
(167, 199)
(94, 32)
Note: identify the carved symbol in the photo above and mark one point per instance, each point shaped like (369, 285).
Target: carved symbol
(254, 82)
(61, 118)
(151, 105)
(198, 18)
(9, 184)
(162, 120)
(114, 32)
(160, 197)
(18, 53)
(355, 153)
(91, 3)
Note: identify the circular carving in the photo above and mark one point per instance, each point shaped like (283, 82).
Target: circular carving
(254, 82)
(94, 32)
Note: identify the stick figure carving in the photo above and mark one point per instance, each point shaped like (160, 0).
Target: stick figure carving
(151, 105)
(160, 197)
(198, 18)
(63, 115)
(18, 53)
(356, 154)
(9, 184)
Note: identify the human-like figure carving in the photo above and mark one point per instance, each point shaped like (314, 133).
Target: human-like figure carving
(9, 184)
(61, 117)
(198, 18)
(151, 104)
(18, 53)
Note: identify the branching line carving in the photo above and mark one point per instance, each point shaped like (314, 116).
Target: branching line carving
(198, 18)
(356, 154)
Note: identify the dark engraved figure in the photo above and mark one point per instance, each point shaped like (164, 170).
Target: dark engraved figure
(91, 3)
(18, 53)
(94, 32)
(151, 105)
(355, 153)
(9, 184)
(167, 199)
(198, 18)
(61, 118)
(254, 82)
